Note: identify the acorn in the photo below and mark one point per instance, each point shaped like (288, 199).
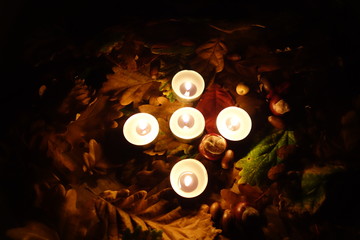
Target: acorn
(215, 210)
(227, 159)
(239, 209)
(242, 89)
(242, 211)
(226, 220)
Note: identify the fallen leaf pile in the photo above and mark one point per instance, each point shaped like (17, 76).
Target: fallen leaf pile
(88, 182)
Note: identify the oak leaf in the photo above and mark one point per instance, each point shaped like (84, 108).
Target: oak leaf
(209, 59)
(155, 212)
(94, 160)
(78, 97)
(161, 107)
(122, 79)
(167, 143)
(256, 164)
(213, 52)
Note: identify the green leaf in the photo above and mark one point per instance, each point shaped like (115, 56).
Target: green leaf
(256, 164)
(313, 189)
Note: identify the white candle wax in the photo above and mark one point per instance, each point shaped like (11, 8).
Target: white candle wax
(141, 129)
(187, 123)
(233, 123)
(188, 178)
(188, 85)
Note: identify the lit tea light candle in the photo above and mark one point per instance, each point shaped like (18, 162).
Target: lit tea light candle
(189, 178)
(141, 129)
(187, 123)
(188, 85)
(233, 123)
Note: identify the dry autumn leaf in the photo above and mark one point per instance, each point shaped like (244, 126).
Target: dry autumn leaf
(78, 97)
(209, 59)
(122, 79)
(161, 107)
(65, 148)
(167, 143)
(155, 212)
(94, 160)
(150, 178)
(213, 52)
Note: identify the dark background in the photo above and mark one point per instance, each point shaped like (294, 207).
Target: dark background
(78, 21)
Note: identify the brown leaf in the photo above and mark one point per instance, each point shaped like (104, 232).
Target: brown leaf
(251, 193)
(161, 107)
(214, 99)
(209, 59)
(77, 98)
(59, 149)
(156, 212)
(67, 148)
(122, 79)
(167, 142)
(150, 178)
(229, 198)
(128, 52)
(213, 53)
(138, 93)
(194, 226)
(94, 160)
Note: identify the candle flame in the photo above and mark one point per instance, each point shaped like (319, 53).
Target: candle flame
(143, 127)
(188, 86)
(188, 89)
(233, 123)
(186, 118)
(186, 121)
(188, 180)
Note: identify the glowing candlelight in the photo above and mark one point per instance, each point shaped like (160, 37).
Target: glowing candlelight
(188, 85)
(233, 123)
(187, 123)
(188, 178)
(141, 129)
(188, 181)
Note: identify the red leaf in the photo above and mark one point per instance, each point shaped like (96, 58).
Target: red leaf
(211, 103)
